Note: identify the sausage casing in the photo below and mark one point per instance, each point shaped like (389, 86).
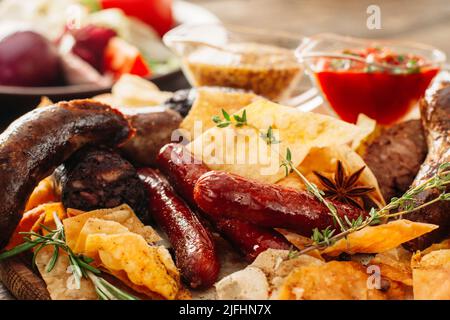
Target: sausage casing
(183, 170)
(36, 143)
(222, 194)
(194, 248)
(154, 128)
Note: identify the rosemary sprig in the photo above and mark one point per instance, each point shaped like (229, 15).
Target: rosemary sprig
(79, 264)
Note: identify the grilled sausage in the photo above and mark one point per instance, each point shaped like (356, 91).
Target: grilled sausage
(435, 114)
(154, 127)
(36, 143)
(194, 248)
(95, 178)
(395, 157)
(183, 170)
(222, 194)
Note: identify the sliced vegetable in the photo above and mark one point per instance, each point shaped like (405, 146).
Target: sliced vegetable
(155, 13)
(122, 58)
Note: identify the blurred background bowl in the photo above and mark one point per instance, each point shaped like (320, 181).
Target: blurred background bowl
(16, 101)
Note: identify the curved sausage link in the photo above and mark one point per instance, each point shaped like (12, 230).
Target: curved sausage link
(194, 248)
(435, 115)
(222, 194)
(36, 143)
(183, 170)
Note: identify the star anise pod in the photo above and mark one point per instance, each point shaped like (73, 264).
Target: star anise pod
(343, 187)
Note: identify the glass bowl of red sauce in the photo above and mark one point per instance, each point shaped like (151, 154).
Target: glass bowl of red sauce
(381, 79)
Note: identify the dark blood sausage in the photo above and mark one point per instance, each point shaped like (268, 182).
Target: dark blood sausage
(435, 115)
(154, 127)
(36, 143)
(95, 178)
(395, 157)
(194, 248)
(183, 170)
(221, 194)
(182, 101)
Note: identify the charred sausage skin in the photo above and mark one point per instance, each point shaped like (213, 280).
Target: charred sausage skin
(222, 194)
(435, 115)
(195, 253)
(183, 170)
(36, 143)
(154, 128)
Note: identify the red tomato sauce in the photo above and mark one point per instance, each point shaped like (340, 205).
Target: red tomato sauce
(386, 95)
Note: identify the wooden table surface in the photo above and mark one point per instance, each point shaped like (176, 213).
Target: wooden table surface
(425, 21)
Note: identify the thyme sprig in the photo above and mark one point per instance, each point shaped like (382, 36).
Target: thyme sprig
(402, 205)
(328, 236)
(269, 137)
(238, 121)
(79, 264)
(312, 188)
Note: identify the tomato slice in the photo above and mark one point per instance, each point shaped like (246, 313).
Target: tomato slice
(121, 58)
(156, 13)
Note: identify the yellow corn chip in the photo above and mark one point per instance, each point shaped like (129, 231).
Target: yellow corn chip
(94, 226)
(431, 276)
(244, 150)
(144, 265)
(395, 264)
(334, 280)
(122, 214)
(375, 239)
(210, 101)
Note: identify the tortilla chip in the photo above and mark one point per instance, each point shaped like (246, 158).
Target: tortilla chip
(368, 127)
(376, 239)
(395, 264)
(437, 246)
(47, 218)
(210, 101)
(299, 241)
(45, 192)
(243, 150)
(334, 280)
(94, 226)
(144, 265)
(134, 91)
(324, 160)
(122, 214)
(431, 276)
(60, 282)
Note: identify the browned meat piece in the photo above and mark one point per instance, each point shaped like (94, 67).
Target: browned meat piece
(100, 178)
(395, 157)
(435, 112)
(154, 127)
(39, 141)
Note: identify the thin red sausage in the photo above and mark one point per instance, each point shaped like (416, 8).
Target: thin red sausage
(195, 253)
(183, 171)
(222, 194)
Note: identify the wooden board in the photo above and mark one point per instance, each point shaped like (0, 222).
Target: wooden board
(20, 279)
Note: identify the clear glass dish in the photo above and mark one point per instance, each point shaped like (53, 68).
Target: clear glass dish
(379, 84)
(251, 59)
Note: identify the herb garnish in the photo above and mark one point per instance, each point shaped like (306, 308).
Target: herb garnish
(403, 205)
(239, 121)
(80, 265)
